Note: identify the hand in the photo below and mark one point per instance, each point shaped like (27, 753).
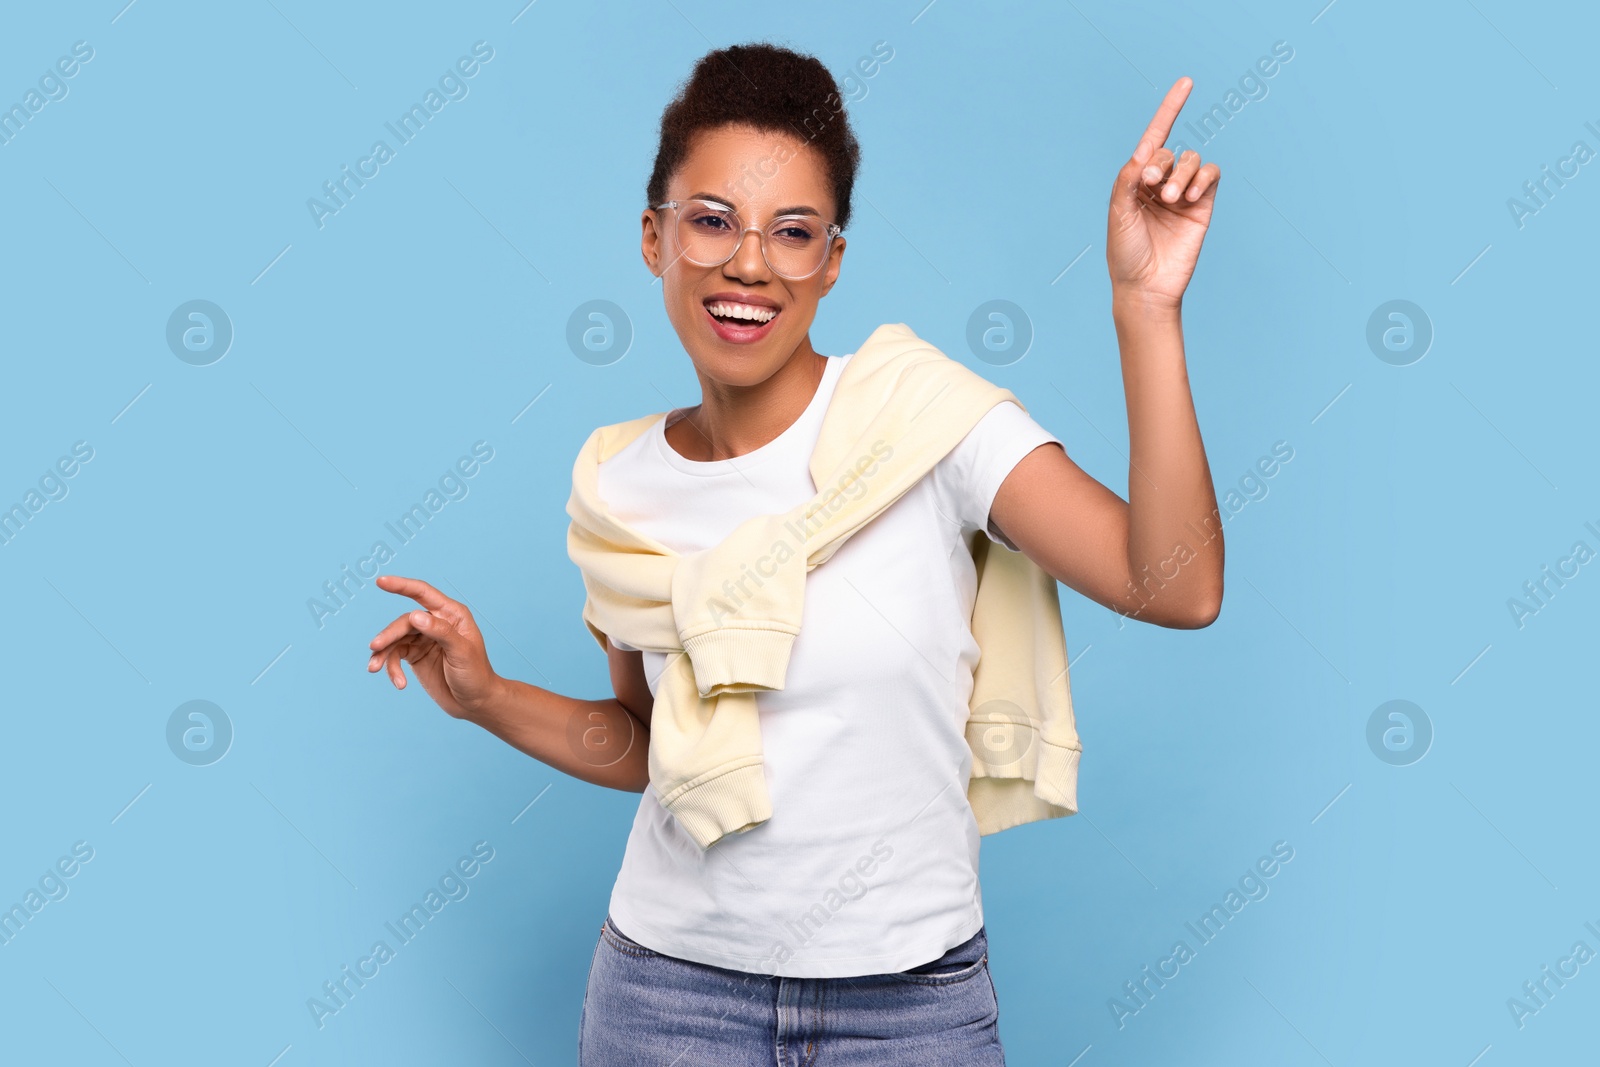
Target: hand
(443, 645)
(1160, 208)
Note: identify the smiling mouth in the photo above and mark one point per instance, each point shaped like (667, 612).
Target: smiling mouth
(732, 313)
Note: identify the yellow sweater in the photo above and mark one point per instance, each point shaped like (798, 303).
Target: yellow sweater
(899, 407)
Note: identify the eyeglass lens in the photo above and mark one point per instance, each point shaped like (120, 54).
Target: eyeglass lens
(794, 245)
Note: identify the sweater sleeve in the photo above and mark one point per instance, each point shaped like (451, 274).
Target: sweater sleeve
(967, 479)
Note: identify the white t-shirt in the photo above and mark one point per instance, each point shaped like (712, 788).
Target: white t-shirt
(868, 864)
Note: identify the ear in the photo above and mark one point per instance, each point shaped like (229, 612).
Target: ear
(650, 241)
(830, 273)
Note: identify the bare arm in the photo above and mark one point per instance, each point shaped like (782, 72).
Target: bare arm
(605, 742)
(1159, 555)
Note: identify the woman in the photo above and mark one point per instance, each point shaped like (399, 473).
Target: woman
(835, 915)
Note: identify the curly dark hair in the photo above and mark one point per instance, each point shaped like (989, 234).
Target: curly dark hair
(770, 88)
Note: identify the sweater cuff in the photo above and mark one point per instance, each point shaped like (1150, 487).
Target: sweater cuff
(729, 803)
(738, 660)
(1055, 777)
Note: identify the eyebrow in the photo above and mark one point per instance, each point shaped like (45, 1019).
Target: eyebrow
(799, 210)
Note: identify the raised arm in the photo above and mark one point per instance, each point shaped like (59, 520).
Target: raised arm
(605, 742)
(1159, 555)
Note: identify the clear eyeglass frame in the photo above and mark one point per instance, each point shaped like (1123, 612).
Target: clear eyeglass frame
(832, 230)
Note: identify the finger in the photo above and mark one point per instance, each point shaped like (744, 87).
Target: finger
(396, 630)
(1205, 181)
(1188, 165)
(1158, 167)
(396, 675)
(1155, 134)
(417, 590)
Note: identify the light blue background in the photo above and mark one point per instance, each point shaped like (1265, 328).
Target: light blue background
(428, 313)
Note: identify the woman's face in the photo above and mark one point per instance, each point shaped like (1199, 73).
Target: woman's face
(760, 174)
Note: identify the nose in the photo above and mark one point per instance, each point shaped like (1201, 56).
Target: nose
(747, 264)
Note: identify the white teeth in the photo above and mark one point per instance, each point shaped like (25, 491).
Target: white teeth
(742, 311)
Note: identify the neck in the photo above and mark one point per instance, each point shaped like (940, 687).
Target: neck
(734, 420)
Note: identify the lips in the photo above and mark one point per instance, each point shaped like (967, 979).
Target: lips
(740, 318)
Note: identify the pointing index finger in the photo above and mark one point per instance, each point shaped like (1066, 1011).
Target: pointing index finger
(416, 589)
(1155, 134)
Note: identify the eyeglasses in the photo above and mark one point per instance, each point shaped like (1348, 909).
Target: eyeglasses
(794, 246)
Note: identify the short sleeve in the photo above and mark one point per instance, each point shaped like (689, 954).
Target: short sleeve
(968, 478)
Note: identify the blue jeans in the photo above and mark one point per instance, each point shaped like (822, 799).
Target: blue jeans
(646, 1008)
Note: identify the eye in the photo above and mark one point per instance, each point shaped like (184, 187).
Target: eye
(710, 221)
(794, 231)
